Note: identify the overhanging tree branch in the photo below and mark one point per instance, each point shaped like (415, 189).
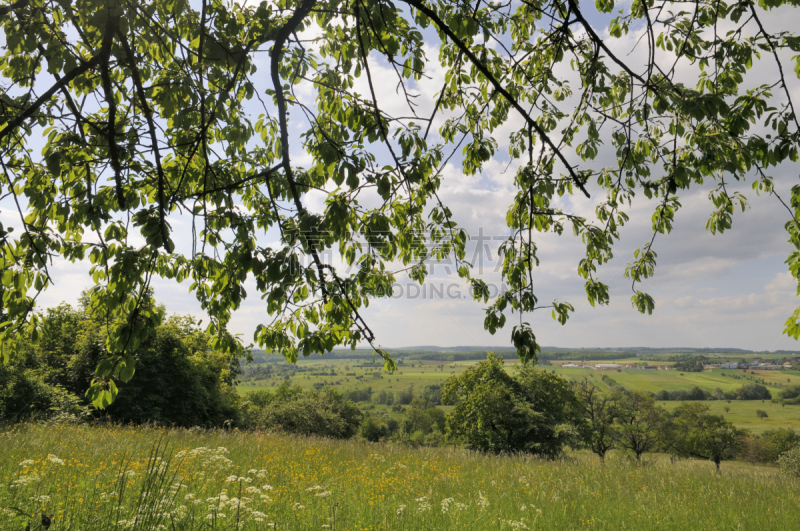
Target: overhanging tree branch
(418, 4)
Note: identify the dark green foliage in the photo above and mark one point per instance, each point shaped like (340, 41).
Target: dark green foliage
(695, 393)
(768, 447)
(433, 394)
(404, 397)
(691, 364)
(640, 422)
(750, 391)
(791, 395)
(359, 395)
(693, 432)
(373, 430)
(423, 416)
(325, 413)
(384, 397)
(495, 412)
(27, 393)
(599, 411)
(180, 379)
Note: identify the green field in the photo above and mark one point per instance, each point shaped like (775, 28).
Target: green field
(351, 374)
(743, 413)
(104, 478)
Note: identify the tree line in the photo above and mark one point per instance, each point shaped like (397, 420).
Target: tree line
(532, 410)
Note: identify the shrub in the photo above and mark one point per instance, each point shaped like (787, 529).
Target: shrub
(25, 394)
(373, 430)
(789, 462)
(289, 409)
(750, 391)
(792, 391)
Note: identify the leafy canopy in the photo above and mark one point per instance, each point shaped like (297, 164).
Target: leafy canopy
(119, 119)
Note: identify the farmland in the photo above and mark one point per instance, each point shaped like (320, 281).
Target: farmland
(100, 478)
(359, 374)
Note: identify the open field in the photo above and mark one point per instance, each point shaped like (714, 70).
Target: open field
(743, 413)
(650, 380)
(100, 478)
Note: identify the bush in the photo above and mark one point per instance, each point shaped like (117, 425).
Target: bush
(373, 430)
(750, 391)
(26, 394)
(359, 395)
(789, 462)
(290, 409)
(793, 391)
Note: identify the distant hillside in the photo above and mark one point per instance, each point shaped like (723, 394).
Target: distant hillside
(465, 353)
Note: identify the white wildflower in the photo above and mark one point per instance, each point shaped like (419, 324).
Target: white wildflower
(483, 501)
(55, 460)
(401, 509)
(27, 462)
(446, 504)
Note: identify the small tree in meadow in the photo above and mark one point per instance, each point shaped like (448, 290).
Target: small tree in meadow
(599, 414)
(639, 422)
(760, 413)
(496, 412)
(694, 432)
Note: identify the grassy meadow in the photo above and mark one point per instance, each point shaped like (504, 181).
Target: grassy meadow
(109, 478)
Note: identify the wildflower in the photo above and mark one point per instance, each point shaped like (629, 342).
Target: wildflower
(401, 509)
(297, 506)
(423, 504)
(27, 462)
(323, 494)
(446, 504)
(25, 479)
(55, 460)
(483, 501)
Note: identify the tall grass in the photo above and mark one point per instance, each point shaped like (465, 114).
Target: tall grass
(109, 478)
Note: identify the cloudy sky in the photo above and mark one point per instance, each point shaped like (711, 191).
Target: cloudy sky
(729, 290)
